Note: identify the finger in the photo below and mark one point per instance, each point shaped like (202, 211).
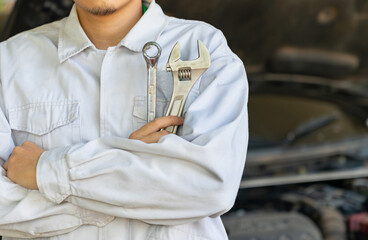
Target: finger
(160, 123)
(27, 143)
(30, 145)
(5, 165)
(31, 148)
(154, 137)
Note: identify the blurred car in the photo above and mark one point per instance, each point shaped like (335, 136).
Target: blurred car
(6, 7)
(307, 69)
(307, 63)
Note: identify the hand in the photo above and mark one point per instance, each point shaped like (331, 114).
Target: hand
(150, 133)
(22, 164)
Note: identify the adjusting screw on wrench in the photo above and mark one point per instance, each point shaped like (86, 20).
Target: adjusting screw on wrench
(151, 53)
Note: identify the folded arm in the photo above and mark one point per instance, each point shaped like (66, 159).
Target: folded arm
(27, 213)
(177, 180)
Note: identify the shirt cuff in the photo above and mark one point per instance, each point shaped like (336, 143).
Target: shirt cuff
(52, 175)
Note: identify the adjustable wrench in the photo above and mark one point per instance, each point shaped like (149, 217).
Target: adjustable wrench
(151, 58)
(185, 74)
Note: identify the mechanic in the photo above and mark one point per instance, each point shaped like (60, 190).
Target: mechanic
(79, 159)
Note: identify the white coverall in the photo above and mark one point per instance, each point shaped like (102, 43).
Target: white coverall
(80, 104)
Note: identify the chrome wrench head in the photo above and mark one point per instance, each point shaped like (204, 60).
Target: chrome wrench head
(185, 74)
(151, 52)
(202, 62)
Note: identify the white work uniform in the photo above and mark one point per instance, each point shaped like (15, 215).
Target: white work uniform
(81, 104)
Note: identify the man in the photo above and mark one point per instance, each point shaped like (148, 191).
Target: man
(86, 164)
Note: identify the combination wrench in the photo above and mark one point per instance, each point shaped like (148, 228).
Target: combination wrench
(151, 53)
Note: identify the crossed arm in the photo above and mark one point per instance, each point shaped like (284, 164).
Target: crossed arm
(181, 179)
(22, 164)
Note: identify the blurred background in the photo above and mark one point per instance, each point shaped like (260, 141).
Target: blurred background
(6, 7)
(307, 64)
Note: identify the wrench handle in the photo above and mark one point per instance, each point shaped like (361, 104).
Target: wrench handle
(151, 94)
(175, 109)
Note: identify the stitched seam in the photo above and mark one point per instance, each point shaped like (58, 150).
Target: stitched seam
(53, 126)
(32, 32)
(190, 234)
(73, 53)
(154, 230)
(42, 104)
(190, 22)
(129, 229)
(71, 115)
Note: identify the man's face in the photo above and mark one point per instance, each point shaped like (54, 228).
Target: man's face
(102, 7)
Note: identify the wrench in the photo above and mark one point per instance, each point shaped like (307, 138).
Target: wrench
(151, 58)
(185, 74)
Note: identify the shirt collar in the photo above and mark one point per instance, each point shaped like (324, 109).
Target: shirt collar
(73, 40)
(148, 28)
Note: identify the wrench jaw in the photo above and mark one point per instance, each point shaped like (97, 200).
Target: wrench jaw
(175, 63)
(185, 75)
(174, 57)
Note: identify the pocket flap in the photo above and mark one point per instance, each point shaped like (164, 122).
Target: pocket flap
(140, 107)
(42, 118)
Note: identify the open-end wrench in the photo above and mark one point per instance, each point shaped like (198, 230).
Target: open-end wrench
(185, 74)
(151, 53)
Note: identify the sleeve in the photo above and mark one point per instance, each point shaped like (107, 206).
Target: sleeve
(177, 180)
(25, 213)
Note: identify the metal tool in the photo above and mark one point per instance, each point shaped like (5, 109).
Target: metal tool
(151, 53)
(185, 74)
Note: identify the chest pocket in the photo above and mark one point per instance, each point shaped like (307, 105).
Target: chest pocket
(140, 110)
(48, 125)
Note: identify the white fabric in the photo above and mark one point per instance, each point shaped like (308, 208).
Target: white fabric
(81, 104)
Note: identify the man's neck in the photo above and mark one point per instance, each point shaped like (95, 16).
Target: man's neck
(107, 31)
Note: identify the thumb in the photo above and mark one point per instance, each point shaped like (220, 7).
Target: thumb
(5, 166)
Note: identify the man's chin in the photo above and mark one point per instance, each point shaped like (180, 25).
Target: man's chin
(101, 11)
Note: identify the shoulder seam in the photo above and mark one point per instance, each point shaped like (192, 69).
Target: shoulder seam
(191, 22)
(40, 29)
(31, 32)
